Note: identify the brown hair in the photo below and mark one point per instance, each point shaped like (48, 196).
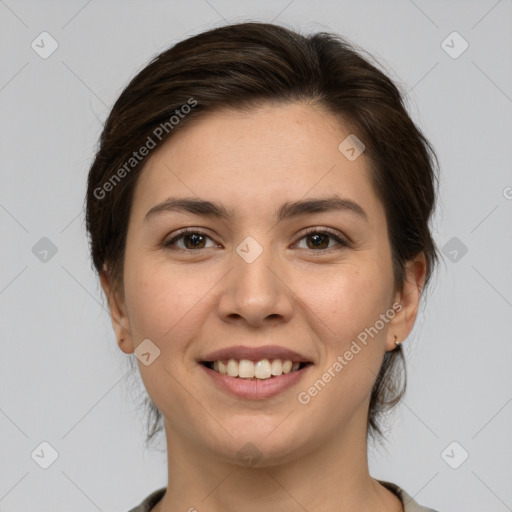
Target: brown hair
(244, 65)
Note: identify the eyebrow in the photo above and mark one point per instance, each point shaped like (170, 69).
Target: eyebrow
(287, 210)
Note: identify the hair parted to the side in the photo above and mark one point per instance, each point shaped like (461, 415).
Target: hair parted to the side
(249, 64)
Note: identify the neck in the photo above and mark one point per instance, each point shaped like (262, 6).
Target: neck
(330, 476)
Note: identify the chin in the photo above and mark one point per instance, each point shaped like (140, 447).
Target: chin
(260, 442)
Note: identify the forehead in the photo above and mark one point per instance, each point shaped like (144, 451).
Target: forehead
(253, 158)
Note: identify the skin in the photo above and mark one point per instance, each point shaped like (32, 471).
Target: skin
(314, 301)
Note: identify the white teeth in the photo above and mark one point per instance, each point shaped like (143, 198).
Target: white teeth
(232, 368)
(287, 366)
(262, 369)
(246, 369)
(276, 368)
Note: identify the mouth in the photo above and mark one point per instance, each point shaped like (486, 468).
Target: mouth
(261, 369)
(255, 373)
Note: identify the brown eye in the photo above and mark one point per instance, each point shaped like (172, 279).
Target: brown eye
(320, 239)
(192, 240)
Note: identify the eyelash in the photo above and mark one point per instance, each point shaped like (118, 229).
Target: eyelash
(342, 242)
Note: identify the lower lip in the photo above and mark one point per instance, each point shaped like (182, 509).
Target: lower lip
(255, 389)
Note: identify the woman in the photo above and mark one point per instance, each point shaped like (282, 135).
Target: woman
(258, 213)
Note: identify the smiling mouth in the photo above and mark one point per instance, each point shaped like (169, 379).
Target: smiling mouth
(262, 369)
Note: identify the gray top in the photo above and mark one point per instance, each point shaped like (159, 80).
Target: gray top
(409, 504)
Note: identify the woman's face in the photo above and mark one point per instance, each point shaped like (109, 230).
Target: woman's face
(257, 279)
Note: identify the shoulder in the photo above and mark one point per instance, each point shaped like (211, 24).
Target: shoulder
(150, 501)
(409, 504)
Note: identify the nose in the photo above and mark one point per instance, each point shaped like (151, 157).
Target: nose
(256, 293)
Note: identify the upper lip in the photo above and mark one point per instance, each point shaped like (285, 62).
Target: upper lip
(255, 354)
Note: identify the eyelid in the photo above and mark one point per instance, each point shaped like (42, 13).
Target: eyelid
(340, 238)
(180, 233)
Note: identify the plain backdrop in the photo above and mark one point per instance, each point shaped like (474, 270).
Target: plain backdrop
(63, 378)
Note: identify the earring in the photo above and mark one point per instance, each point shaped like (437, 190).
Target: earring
(397, 343)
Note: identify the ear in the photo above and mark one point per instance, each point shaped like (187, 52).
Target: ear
(407, 301)
(118, 315)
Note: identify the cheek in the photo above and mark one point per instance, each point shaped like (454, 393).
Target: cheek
(164, 302)
(164, 305)
(347, 299)
(350, 304)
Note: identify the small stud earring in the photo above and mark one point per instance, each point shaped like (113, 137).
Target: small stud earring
(397, 343)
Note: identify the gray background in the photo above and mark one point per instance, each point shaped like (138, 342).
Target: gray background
(63, 379)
